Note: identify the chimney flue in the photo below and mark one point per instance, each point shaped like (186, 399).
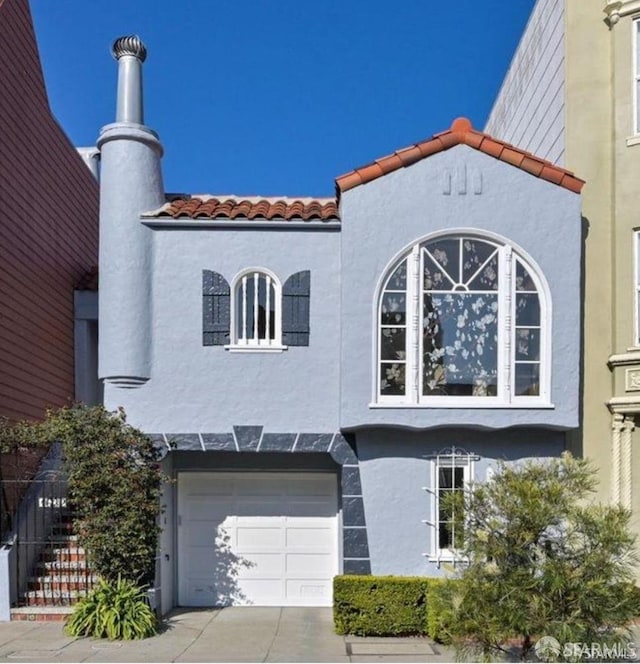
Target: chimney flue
(130, 53)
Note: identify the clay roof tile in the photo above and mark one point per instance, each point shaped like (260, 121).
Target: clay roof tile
(461, 132)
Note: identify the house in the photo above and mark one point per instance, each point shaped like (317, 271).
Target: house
(320, 373)
(48, 244)
(48, 232)
(571, 95)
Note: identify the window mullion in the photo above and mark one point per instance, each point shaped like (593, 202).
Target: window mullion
(267, 310)
(243, 330)
(413, 325)
(256, 306)
(505, 330)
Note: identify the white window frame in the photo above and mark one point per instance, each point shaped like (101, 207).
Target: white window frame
(251, 345)
(454, 457)
(505, 398)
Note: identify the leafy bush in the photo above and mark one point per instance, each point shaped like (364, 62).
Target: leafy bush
(113, 610)
(380, 605)
(114, 486)
(543, 561)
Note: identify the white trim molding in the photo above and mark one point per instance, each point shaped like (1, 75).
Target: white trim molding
(629, 405)
(624, 359)
(615, 9)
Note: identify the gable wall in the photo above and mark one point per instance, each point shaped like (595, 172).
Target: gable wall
(386, 216)
(48, 229)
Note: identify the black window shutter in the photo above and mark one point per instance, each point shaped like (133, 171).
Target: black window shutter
(295, 309)
(216, 309)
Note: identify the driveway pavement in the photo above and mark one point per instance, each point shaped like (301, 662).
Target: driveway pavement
(247, 634)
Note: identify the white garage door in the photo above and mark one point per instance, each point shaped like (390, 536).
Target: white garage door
(265, 539)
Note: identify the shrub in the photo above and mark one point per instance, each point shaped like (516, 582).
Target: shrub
(543, 561)
(113, 610)
(380, 605)
(114, 486)
(440, 609)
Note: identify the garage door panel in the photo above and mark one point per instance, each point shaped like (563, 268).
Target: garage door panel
(259, 508)
(316, 509)
(203, 533)
(268, 590)
(307, 487)
(200, 483)
(311, 565)
(318, 539)
(253, 537)
(257, 564)
(305, 592)
(266, 539)
(203, 508)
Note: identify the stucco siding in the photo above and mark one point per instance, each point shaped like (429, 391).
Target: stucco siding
(210, 389)
(529, 109)
(396, 470)
(388, 215)
(48, 230)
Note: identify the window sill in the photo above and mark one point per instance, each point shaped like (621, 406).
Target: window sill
(633, 140)
(446, 557)
(239, 348)
(532, 405)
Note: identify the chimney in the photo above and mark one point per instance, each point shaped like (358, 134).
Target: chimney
(130, 184)
(130, 53)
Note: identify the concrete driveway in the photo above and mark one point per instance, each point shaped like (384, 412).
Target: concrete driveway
(247, 634)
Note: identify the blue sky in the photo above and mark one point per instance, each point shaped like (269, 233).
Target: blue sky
(279, 98)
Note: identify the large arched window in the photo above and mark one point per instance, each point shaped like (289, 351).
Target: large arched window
(462, 320)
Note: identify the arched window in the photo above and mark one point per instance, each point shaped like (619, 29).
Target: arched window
(463, 320)
(256, 310)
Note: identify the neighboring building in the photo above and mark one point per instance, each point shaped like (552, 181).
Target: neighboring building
(571, 95)
(48, 232)
(320, 373)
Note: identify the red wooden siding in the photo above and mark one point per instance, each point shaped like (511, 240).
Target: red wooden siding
(48, 229)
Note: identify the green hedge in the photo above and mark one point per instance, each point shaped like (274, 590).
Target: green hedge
(440, 612)
(380, 605)
(393, 606)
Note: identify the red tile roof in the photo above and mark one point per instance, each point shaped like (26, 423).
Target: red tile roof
(461, 133)
(235, 207)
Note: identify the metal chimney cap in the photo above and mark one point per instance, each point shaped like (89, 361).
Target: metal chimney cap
(129, 45)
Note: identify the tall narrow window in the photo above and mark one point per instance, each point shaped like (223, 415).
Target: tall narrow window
(256, 310)
(528, 327)
(452, 472)
(393, 333)
(462, 320)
